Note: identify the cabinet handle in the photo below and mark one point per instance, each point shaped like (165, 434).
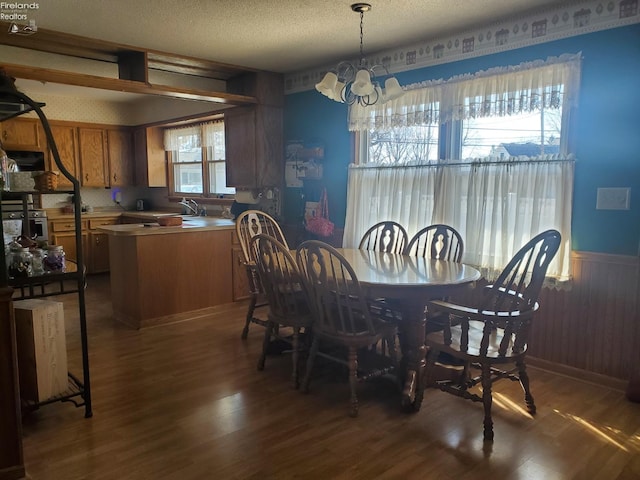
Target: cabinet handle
(115, 177)
(97, 240)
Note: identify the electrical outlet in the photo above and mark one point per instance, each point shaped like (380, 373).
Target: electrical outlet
(613, 198)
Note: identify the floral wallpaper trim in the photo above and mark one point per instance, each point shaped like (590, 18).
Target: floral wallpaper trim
(575, 18)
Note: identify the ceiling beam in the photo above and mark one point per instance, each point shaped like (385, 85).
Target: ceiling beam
(130, 86)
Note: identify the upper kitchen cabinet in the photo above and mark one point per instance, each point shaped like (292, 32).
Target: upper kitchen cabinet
(66, 138)
(21, 134)
(254, 134)
(92, 144)
(150, 158)
(120, 150)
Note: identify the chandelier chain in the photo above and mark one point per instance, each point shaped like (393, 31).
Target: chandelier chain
(361, 37)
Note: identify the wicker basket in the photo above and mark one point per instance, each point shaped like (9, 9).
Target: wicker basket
(46, 181)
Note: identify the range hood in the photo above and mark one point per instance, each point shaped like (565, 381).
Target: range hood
(10, 109)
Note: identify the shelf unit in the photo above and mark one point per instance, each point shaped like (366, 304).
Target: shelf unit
(71, 281)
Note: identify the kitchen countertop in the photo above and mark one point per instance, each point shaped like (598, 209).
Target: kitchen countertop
(189, 224)
(52, 214)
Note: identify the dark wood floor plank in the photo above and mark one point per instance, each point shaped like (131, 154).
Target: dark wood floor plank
(185, 401)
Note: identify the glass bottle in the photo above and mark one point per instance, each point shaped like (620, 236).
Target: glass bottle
(54, 261)
(20, 263)
(38, 261)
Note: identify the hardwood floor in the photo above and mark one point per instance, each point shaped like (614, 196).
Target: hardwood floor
(185, 401)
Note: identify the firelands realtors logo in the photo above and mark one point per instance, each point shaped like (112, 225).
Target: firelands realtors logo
(18, 15)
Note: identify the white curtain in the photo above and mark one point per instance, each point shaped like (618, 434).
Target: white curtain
(495, 92)
(172, 142)
(377, 193)
(496, 206)
(210, 134)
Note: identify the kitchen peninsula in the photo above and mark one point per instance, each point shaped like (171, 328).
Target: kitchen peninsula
(166, 274)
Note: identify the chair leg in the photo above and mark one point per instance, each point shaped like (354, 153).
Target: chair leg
(265, 345)
(353, 381)
(524, 382)
(487, 400)
(250, 310)
(312, 356)
(295, 356)
(393, 354)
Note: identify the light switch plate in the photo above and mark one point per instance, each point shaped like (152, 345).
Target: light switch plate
(613, 198)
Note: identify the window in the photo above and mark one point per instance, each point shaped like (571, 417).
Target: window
(486, 153)
(197, 160)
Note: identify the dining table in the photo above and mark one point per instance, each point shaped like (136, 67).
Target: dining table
(408, 283)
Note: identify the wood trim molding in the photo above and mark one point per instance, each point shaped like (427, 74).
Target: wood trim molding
(577, 373)
(130, 86)
(61, 43)
(610, 258)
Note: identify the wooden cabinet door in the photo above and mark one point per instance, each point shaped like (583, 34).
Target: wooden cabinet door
(93, 157)
(68, 242)
(254, 146)
(21, 134)
(120, 148)
(98, 252)
(66, 140)
(239, 274)
(240, 146)
(150, 157)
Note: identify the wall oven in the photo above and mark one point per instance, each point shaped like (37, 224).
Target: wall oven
(35, 225)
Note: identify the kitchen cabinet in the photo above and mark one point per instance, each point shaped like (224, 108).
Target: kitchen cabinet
(21, 134)
(254, 134)
(120, 153)
(63, 232)
(92, 145)
(98, 251)
(150, 157)
(239, 272)
(253, 143)
(66, 138)
(94, 244)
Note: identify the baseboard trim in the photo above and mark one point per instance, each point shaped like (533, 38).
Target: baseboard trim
(576, 373)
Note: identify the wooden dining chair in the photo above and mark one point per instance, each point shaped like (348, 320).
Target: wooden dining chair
(492, 337)
(385, 236)
(438, 241)
(286, 297)
(249, 224)
(342, 315)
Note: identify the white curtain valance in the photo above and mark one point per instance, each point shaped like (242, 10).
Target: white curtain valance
(200, 135)
(495, 92)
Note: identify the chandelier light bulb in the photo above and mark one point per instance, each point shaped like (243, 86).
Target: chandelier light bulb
(358, 84)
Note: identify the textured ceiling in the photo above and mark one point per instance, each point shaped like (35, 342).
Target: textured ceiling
(278, 35)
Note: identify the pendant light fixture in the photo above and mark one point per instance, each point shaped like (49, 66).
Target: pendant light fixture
(349, 83)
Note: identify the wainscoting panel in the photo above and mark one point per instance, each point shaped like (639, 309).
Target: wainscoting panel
(594, 325)
(591, 330)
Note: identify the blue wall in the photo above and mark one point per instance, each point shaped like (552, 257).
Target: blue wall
(606, 133)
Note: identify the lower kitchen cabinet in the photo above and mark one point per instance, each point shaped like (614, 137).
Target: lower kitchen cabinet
(239, 274)
(95, 245)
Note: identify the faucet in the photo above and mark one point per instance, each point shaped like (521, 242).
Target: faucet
(193, 209)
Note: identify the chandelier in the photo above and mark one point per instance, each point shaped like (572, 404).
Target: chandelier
(349, 83)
